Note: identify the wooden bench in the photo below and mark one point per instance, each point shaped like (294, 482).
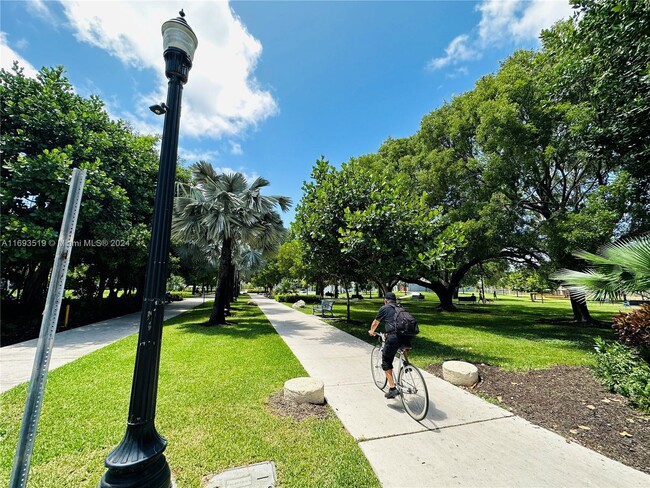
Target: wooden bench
(324, 307)
(471, 299)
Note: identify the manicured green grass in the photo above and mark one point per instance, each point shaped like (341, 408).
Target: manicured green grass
(513, 333)
(214, 385)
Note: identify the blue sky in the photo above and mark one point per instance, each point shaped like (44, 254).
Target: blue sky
(275, 85)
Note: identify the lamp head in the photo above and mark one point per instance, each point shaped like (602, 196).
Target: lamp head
(159, 109)
(178, 34)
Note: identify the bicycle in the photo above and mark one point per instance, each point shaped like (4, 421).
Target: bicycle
(409, 380)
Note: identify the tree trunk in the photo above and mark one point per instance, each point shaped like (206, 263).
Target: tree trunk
(218, 316)
(236, 285)
(445, 295)
(381, 289)
(33, 294)
(347, 295)
(448, 289)
(580, 311)
(231, 283)
(103, 282)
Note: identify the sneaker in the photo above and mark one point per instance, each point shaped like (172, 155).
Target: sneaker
(391, 393)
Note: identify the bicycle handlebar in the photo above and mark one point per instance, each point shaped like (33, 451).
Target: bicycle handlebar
(381, 336)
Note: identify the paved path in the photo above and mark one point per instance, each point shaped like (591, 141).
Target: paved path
(464, 441)
(17, 360)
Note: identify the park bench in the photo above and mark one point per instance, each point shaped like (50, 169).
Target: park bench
(631, 303)
(471, 299)
(324, 307)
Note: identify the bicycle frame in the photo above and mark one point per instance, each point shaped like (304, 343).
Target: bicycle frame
(413, 393)
(402, 358)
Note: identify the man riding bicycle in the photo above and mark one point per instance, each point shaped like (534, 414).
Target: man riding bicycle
(394, 341)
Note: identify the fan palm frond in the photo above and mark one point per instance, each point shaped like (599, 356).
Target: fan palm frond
(622, 267)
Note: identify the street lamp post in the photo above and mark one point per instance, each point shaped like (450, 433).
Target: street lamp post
(138, 460)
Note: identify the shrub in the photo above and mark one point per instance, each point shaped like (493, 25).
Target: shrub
(634, 329)
(295, 298)
(623, 371)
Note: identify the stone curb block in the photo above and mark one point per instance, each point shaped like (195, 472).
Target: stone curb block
(305, 390)
(460, 373)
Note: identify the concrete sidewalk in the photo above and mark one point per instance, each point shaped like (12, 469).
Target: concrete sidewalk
(17, 360)
(464, 441)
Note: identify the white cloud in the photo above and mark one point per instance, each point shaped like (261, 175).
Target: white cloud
(458, 72)
(496, 18)
(540, 15)
(235, 148)
(250, 177)
(8, 56)
(457, 51)
(193, 156)
(222, 96)
(502, 21)
(226, 170)
(38, 7)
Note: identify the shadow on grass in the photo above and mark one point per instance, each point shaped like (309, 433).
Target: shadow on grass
(245, 321)
(538, 323)
(425, 346)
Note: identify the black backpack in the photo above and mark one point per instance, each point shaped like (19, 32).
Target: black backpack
(405, 323)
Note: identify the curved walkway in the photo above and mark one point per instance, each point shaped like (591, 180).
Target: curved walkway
(17, 360)
(464, 441)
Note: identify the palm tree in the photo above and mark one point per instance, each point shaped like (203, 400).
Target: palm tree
(620, 268)
(223, 213)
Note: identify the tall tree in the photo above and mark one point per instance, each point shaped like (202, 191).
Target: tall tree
(533, 148)
(319, 216)
(224, 213)
(445, 161)
(360, 225)
(47, 130)
(600, 60)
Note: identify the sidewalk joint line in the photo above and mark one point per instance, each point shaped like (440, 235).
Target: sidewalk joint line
(435, 429)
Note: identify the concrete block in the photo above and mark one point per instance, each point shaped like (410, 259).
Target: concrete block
(305, 390)
(299, 304)
(460, 373)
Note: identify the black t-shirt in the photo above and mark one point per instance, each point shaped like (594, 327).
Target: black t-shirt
(386, 314)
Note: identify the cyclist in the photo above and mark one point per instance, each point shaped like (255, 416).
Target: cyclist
(394, 341)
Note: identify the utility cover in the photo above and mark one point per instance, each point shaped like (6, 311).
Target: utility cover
(259, 475)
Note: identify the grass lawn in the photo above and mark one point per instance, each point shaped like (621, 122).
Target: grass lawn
(214, 383)
(512, 333)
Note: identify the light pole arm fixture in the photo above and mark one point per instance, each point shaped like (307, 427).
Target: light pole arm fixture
(138, 460)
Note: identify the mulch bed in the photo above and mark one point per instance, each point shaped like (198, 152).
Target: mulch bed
(572, 403)
(299, 411)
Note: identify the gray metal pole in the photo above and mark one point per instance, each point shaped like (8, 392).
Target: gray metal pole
(34, 401)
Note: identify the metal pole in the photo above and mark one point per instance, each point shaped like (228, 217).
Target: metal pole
(138, 460)
(27, 435)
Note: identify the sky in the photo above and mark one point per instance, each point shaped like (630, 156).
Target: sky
(275, 85)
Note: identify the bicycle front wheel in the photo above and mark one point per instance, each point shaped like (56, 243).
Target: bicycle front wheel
(413, 391)
(378, 374)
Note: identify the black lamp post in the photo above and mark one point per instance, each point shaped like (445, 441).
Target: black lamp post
(138, 460)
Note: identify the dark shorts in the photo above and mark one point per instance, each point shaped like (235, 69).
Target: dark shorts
(392, 344)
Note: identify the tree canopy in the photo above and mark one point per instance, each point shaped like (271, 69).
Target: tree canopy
(47, 130)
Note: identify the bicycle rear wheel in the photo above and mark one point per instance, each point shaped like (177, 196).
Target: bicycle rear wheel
(413, 391)
(378, 374)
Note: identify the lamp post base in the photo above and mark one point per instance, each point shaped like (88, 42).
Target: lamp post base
(155, 474)
(138, 461)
